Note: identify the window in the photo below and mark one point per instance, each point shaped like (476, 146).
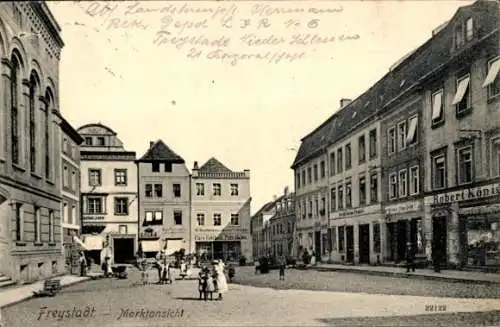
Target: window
(348, 156)
(310, 208)
(297, 180)
(168, 167)
(122, 229)
(120, 177)
(217, 219)
(94, 205)
(37, 224)
(155, 167)
(469, 29)
(465, 165)
(149, 190)
(51, 226)
(121, 206)
(333, 199)
(200, 189)
(376, 237)
(178, 217)
(361, 149)
(177, 190)
(412, 137)
(439, 171)
(235, 219)
(437, 107)
(65, 176)
(393, 186)
(64, 213)
(373, 188)
(323, 205)
(95, 177)
(158, 190)
(33, 92)
(73, 215)
(339, 160)
(73, 181)
(303, 178)
(201, 219)
(362, 190)
(403, 183)
(341, 238)
(492, 82)
(234, 190)
(154, 218)
(348, 195)
(373, 143)
(414, 180)
(14, 127)
(391, 140)
(462, 99)
(401, 135)
(332, 163)
(316, 206)
(340, 193)
(47, 103)
(100, 141)
(19, 217)
(459, 36)
(88, 140)
(216, 189)
(315, 172)
(322, 169)
(309, 175)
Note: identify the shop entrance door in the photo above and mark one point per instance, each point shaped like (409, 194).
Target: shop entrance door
(349, 244)
(317, 245)
(123, 250)
(364, 243)
(439, 241)
(401, 236)
(392, 241)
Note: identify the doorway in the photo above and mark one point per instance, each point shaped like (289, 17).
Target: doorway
(364, 243)
(401, 239)
(123, 250)
(317, 245)
(218, 251)
(350, 244)
(439, 241)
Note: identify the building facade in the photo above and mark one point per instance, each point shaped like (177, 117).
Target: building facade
(109, 195)
(259, 228)
(220, 211)
(164, 200)
(462, 125)
(282, 225)
(70, 186)
(30, 190)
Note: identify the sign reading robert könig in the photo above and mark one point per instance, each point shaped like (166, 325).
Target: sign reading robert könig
(468, 194)
(208, 234)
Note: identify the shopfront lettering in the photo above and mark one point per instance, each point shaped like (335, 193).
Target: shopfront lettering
(468, 194)
(403, 208)
(221, 237)
(351, 212)
(93, 218)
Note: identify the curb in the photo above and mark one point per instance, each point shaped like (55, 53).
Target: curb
(31, 295)
(407, 275)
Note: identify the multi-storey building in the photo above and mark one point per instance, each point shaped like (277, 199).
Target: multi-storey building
(355, 213)
(220, 211)
(461, 119)
(70, 186)
(164, 200)
(259, 230)
(30, 189)
(282, 224)
(311, 191)
(109, 195)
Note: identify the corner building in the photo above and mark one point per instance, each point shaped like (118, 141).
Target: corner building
(109, 195)
(259, 226)
(282, 225)
(220, 210)
(30, 138)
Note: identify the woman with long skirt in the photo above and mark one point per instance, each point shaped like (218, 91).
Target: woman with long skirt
(221, 278)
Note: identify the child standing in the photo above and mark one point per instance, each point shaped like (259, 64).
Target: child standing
(282, 269)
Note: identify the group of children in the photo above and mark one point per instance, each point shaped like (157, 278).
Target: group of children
(213, 280)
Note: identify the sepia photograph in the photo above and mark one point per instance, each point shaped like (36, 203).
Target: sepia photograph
(250, 163)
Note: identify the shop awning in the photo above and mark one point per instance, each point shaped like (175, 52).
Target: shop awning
(93, 242)
(151, 246)
(173, 246)
(80, 243)
(481, 210)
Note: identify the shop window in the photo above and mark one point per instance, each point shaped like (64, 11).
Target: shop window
(495, 158)
(465, 165)
(483, 240)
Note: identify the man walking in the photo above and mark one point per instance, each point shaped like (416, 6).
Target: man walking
(410, 258)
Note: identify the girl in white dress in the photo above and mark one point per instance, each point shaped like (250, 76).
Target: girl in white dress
(221, 278)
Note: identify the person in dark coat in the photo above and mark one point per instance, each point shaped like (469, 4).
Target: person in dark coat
(410, 258)
(83, 264)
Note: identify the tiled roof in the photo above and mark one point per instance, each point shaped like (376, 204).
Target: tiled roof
(159, 151)
(266, 207)
(410, 71)
(214, 166)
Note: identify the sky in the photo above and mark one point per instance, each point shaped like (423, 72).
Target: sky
(251, 115)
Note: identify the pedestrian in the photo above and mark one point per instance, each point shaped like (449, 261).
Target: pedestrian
(282, 269)
(410, 258)
(231, 272)
(256, 263)
(220, 278)
(83, 264)
(160, 265)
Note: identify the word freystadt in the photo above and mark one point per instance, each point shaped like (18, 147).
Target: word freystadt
(151, 314)
(87, 312)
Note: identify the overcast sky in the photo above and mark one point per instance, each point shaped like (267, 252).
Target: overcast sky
(251, 115)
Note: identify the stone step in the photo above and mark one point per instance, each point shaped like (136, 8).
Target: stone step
(3, 278)
(6, 283)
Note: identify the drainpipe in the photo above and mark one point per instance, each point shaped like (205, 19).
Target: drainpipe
(138, 205)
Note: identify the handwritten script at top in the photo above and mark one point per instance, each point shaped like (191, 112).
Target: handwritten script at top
(226, 32)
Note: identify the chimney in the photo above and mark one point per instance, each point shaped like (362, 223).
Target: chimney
(151, 144)
(286, 190)
(344, 102)
(195, 166)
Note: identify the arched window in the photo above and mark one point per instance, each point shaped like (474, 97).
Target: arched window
(49, 100)
(14, 92)
(33, 92)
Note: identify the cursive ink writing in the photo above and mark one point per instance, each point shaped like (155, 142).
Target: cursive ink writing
(117, 23)
(181, 26)
(252, 40)
(267, 10)
(271, 57)
(164, 38)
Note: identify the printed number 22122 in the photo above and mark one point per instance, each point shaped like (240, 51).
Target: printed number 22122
(435, 308)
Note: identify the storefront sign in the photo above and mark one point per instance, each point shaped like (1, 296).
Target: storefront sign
(213, 234)
(403, 208)
(356, 212)
(467, 194)
(93, 217)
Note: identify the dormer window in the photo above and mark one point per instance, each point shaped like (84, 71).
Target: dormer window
(469, 29)
(88, 140)
(100, 141)
(464, 32)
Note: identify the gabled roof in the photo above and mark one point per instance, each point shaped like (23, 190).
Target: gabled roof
(214, 166)
(159, 151)
(412, 70)
(266, 207)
